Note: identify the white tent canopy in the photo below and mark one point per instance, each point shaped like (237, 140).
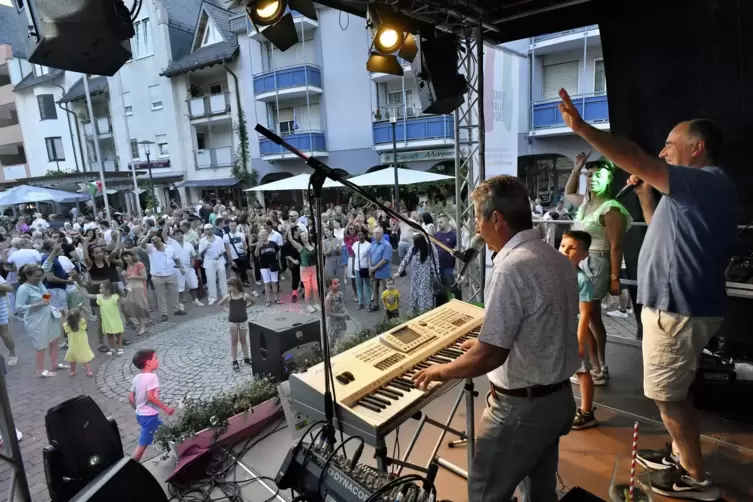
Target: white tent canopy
(386, 177)
(300, 182)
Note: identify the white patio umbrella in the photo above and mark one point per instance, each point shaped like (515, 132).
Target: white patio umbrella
(300, 182)
(386, 177)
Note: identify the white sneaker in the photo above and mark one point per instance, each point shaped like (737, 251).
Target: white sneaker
(318, 308)
(19, 437)
(258, 283)
(255, 293)
(12, 361)
(600, 378)
(198, 303)
(120, 352)
(211, 302)
(618, 314)
(574, 379)
(182, 307)
(310, 309)
(110, 352)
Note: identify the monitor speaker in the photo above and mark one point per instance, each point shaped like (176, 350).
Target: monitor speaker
(440, 86)
(125, 481)
(85, 36)
(282, 342)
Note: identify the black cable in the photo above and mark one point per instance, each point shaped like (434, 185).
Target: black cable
(331, 456)
(393, 484)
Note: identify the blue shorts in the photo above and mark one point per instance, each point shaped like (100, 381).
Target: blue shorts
(149, 425)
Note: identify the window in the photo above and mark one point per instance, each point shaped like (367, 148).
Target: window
(40, 70)
(55, 149)
(162, 149)
(155, 97)
(20, 5)
(600, 78)
(395, 103)
(211, 34)
(286, 120)
(47, 110)
(558, 76)
(135, 149)
(215, 89)
(201, 142)
(141, 43)
(127, 106)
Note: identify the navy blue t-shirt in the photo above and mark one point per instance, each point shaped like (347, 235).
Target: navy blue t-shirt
(57, 271)
(689, 242)
(449, 239)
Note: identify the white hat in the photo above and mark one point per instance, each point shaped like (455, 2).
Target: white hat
(208, 226)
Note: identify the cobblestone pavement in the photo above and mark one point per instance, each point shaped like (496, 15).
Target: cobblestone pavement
(194, 361)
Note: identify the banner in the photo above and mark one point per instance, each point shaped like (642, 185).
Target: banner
(501, 109)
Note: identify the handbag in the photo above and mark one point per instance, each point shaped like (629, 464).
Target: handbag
(440, 293)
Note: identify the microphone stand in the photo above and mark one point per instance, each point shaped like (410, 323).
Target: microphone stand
(321, 172)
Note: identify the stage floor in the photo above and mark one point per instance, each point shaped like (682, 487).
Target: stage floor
(586, 457)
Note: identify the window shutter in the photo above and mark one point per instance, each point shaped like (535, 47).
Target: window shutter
(558, 76)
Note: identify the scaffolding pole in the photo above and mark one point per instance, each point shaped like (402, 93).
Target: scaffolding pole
(470, 168)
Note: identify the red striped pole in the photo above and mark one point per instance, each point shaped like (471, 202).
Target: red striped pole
(632, 461)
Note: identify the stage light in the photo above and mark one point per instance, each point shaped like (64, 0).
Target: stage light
(274, 19)
(388, 39)
(379, 63)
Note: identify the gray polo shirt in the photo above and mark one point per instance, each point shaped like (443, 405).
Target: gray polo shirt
(688, 244)
(531, 302)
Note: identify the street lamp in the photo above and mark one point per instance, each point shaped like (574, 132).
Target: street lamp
(396, 196)
(147, 150)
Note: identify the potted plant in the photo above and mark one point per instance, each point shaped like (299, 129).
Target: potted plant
(208, 421)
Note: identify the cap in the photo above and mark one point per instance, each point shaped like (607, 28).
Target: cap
(208, 226)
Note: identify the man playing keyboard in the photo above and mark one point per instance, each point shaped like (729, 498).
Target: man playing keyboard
(528, 348)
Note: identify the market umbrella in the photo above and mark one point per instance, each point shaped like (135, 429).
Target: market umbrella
(386, 177)
(24, 194)
(300, 182)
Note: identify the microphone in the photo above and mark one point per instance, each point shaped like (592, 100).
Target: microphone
(627, 189)
(470, 254)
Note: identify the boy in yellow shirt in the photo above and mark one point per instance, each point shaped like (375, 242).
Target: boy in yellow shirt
(391, 299)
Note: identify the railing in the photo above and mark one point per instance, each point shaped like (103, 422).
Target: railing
(10, 133)
(592, 107)
(558, 34)
(206, 106)
(104, 126)
(308, 141)
(387, 112)
(212, 158)
(15, 172)
(108, 165)
(6, 94)
(288, 77)
(426, 127)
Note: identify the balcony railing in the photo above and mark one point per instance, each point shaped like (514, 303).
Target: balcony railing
(288, 78)
(6, 94)
(108, 165)
(422, 128)
(308, 141)
(10, 134)
(207, 106)
(550, 36)
(213, 158)
(399, 111)
(593, 108)
(104, 126)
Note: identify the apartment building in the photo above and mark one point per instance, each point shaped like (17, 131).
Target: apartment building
(13, 161)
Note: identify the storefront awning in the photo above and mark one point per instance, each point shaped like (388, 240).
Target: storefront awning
(222, 182)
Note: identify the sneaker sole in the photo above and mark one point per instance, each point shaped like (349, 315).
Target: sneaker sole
(585, 426)
(688, 495)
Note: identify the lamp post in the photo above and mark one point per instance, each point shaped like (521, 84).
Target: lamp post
(396, 196)
(147, 150)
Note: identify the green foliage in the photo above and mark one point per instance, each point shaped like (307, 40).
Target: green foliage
(200, 414)
(240, 161)
(53, 173)
(149, 199)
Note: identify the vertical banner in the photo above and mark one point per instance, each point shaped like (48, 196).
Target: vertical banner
(501, 102)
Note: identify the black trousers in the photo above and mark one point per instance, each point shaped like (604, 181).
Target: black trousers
(295, 272)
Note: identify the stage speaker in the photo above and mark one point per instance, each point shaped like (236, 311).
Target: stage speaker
(83, 443)
(440, 86)
(125, 481)
(85, 36)
(281, 342)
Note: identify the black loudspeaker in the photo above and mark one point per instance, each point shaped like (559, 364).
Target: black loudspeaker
(125, 481)
(280, 342)
(86, 36)
(83, 443)
(440, 86)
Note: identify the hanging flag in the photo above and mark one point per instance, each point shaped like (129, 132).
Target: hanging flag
(94, 187)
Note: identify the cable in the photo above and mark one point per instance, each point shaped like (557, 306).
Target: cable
(395, 483)
(340, 20)
(331, 456)
(136, 9)
(396, 448)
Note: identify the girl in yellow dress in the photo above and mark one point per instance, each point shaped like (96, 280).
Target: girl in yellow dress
(112, 324)
(79, 351)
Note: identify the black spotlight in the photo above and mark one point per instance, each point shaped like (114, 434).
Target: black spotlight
(274, 19)
(390, 42)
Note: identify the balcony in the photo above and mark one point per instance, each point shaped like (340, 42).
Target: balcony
(563, 41)
(547, 120)
(299, 20)
(104, 127)
(108, 165)
(310, 142)
(214, 158)
(205, 107)
(6, 95)
(414, 130)
(288, 82)
(11, 134)
(16, 172)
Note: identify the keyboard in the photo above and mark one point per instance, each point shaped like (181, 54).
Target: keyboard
(373, 388)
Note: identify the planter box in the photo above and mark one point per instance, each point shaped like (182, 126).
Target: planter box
(257, 417)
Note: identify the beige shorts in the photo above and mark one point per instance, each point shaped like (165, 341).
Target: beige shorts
(672, 345)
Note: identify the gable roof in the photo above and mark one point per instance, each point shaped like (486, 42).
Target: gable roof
(10, 32)
(221, 19)
(31, 80)
(181, 22)
(97, 85)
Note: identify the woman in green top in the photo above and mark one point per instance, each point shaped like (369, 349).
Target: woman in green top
(606, 221)
(308, 270)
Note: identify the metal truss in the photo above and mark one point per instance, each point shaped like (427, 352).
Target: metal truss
(470, 167)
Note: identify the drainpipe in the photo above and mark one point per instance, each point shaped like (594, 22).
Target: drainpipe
(244, 146)
(70, 131)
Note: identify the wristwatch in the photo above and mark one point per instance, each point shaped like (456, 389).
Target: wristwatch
(614, 277)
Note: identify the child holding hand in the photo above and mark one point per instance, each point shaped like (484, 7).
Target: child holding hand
(109, 311)
(79, 351)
